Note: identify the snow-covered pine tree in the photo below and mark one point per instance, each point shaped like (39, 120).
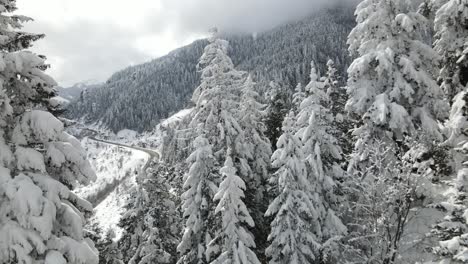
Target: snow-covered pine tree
(336, 94)
(201, 186)
(294, 236)
(278, 107)
(235, 241)
(151, 222)
(322, 155)
(41, 220)
(391, 83)
(217, 99)
(253, 151)
(428, 8)
(338, 98)
(216, 113)
(255, 148)
(451, 36)
(298, 97)
(109, 252)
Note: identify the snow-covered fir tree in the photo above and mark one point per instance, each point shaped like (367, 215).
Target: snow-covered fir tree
(41, 219)
(451, 35)
(295, 230)
(109, 252)
(392, 89)
(298, 96)
(391, 82)
(151, 223)
(322, 155)
(334, 92)
(254, 153)
(234, 241)
(277, 109)
(256, 148)
(201, 186)
(217, 98)
(214, 117)
(338, 97)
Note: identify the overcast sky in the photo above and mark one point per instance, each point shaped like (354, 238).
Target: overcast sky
(91, 39)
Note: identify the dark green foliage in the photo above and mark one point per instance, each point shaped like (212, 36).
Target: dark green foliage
(152, 222)
(278, 106)
(108, 251)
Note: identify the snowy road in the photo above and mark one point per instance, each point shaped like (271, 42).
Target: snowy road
(103, 194)
(153, 154)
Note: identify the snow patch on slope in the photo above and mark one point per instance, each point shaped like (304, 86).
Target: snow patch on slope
(116, 169)
(127, 134)
(176, 117)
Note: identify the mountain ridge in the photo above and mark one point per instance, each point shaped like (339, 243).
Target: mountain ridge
(138, 97)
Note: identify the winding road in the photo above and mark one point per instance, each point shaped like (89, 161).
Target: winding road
(96, 199)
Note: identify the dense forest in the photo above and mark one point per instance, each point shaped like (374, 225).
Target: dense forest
(354, 150)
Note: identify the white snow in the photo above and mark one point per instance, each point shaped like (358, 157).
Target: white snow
(127, 134)
(29, 159)
(176, 117)
(58, 101)
(116, 168)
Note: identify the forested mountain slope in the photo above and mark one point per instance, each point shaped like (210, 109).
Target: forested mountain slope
(139, 97)
(78, 90)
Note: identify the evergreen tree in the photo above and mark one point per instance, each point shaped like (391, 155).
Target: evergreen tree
(338, 97)
(254, 147)
(109, 252)
(200, 185)
(41, 218)
(236, 242)
(322, 156)
(253, 150)
(335, 94)
(451, 32)
(451, 35)
(276, 111)
(391, 86)
(391, 82)
(151, 221)
(298, 96)
(217, 97)
(216, 117)
(295, 231)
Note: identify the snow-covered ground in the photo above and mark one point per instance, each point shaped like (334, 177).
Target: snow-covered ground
(176, 117)
(58, 101)
(154, 138)
(127, 134)
(116, 168)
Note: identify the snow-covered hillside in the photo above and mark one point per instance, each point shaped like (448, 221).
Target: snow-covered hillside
(116, 168)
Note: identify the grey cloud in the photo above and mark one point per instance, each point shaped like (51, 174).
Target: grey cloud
(240, 15)
(95, 51)
(89, 51)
